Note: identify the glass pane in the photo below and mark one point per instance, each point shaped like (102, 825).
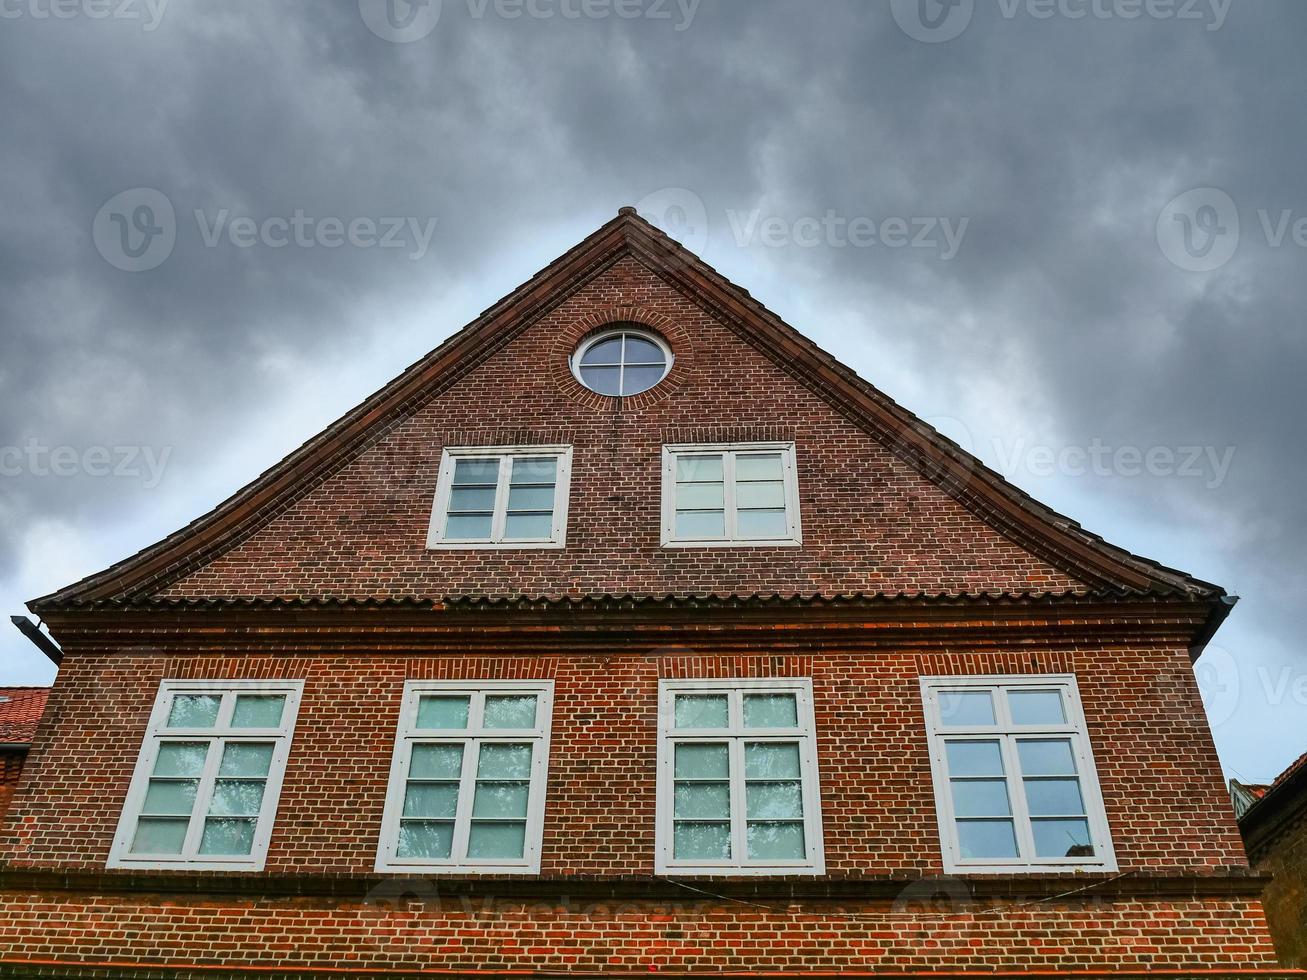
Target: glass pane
(225, 836)
(773, 801)
(245, 759)
(431, 800)
(504, 762)
(500, 800)
(510, 711)
(974, 758)
(641, 351)
(771, 711)
(443, 712)
(535, 469)
(181, 758)
(981, 798)
(518, 527)
(700, 525)
(701, 840)
(1062, 838)
(155, 836)
(473, 471)
(964, 709)
(702, 762)
(762, 495)
(761, 524)
(703, 801)
(776, 840)
(237, 798)
(700, 496)
(473, 499)
(605, 352)
(1036, 707)
(496, 840)
(702, 711)
(758, 467)
(638, 379)
(1054, 797)
(987, 839)
(436, 762)
(603, 380)
(771, 760)
(258, 711)
(194, 710)
(468, 527)
(1046, 757)
(425, 840)
(698, 469)
(168, 797)
(531, 498)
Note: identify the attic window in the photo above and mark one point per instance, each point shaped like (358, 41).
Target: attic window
(622, 361)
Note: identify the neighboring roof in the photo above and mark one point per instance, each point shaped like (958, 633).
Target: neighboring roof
(20, 710)
(1267, 795)
(1061, 541)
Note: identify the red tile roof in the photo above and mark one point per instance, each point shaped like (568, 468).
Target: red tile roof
(1260, 792)
(20, 709)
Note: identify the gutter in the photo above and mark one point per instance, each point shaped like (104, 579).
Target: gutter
(1221, 608)
(42, 642)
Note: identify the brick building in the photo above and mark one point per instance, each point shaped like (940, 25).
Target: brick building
(628, 633)
(1273, 821)
(20, 711)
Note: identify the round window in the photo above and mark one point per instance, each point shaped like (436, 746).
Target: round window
(622, 361)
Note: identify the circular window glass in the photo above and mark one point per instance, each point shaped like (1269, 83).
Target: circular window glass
(623, 361)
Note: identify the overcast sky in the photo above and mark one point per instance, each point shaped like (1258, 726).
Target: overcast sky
(1065, 231)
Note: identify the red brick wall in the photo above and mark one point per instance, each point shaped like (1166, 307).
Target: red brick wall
(11, 767)
(1285, 857)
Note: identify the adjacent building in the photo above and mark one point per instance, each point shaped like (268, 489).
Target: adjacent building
(20, 712)
(1273, 821)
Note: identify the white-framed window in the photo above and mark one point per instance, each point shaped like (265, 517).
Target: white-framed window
(467, 782)
(205, 789)
(624, 360)
(501, 497)
(737, 782)
(735, 494)
(1015, 784)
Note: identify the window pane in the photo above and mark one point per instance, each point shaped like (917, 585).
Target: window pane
(1046, 756)
(776, 840)
(1036, 707)
(436, 762)
(701, 840)
(698, 469)
(496, 840)
(771, 760)
(431, 800)
(760, 495)
(771, 711)
(155, 836)
(194, 710)
(1054, 797)
(181, 758)
(986, 839)
(1062, 838)
(773, 801)
(425, 840)
(981, 798)
(761, 524)
(443, 712)
(169, 797)
(605, 352)
(702, 762)
(964, 709)
(642, 378)
(500, 800)
(768, 467)
(700, 496)
(534, 469)
(703, 801)
(472, 499)
(258, 711)
(510, 711)
(531, 498)
(519, 527)
(473, 471)
(245, 759)
(974, 758)
(237, 798)
(602, 379)
(700, 525)
(468, 527)
(641, 351)
(223, 836)
(702, 711)
(504, 762)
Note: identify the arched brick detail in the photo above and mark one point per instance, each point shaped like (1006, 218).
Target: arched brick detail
(676, 336)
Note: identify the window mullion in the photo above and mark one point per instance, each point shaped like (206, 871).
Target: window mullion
(463, 811)
(728, 494)
(736, 759)
(1017, 794)
(203, 796)
(499, 519)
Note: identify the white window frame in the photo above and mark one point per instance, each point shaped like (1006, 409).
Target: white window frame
(728, 451)
(120, 854)
(444, 484)
(814, 863)
(408, 734)
(1007, 733)
(634, 331)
